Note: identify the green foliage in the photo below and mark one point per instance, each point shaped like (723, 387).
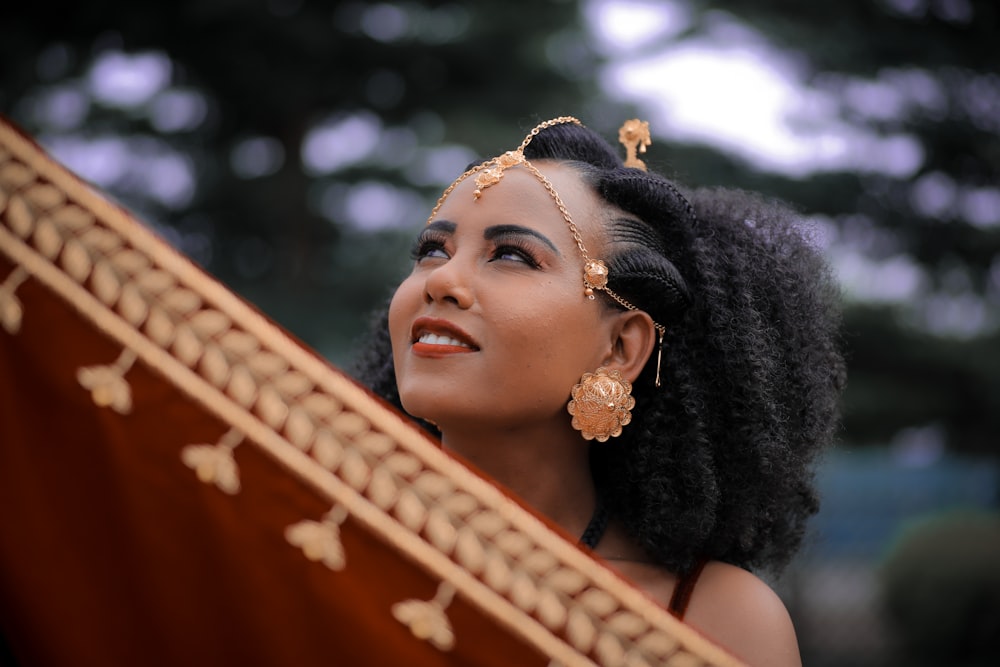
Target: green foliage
(941, 587)
(943, 54)
(904, 366)
(472, 76)
(903, 376)
(446, 72)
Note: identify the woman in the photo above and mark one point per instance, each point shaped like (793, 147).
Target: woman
(656, 373)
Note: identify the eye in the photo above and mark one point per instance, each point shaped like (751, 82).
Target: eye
(428, 247)
(514, 252)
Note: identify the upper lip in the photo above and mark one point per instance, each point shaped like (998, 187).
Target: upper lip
(440, 327)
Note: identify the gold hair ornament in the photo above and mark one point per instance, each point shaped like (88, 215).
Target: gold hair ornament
(634, 134)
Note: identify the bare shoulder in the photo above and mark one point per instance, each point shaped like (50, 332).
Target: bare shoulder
(729, 605)
(741, 613)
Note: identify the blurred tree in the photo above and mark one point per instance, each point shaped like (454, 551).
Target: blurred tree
(925, 69)
(920, 74)
(286, 144)
(310, 129)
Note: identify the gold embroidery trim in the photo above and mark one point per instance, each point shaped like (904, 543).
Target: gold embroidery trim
(11, 310)
(321, 428)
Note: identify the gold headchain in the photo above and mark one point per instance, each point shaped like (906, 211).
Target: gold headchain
(634, 134)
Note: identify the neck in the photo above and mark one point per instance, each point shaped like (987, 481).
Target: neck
(547, 468)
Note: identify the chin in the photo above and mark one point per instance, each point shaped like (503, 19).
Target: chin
(440, 409)
(423, 404)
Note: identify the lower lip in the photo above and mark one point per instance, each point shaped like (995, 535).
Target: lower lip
(438, 351)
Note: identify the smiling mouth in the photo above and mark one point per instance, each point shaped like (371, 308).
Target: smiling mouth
(437, 346)
(428, 338)
(436, 337)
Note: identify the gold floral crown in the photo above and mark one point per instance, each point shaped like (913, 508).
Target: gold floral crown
(634, 135)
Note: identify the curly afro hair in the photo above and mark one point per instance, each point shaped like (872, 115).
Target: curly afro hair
(718, 461)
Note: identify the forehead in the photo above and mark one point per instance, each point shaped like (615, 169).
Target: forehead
(521, 198)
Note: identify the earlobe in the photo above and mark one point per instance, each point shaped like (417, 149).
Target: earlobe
(635, 338)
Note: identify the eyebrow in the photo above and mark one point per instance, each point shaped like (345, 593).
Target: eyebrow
(442, 225)
(494, 232)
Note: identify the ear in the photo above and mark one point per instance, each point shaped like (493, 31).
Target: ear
(634, 339)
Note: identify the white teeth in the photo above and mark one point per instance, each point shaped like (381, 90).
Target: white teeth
(434, 339)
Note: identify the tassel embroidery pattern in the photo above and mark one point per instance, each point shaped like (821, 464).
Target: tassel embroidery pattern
(215, 464)
(320, 540)
(427, 620)
(107, 384)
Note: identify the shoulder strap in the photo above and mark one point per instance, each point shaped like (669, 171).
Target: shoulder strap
(685, 587)
(596, 526)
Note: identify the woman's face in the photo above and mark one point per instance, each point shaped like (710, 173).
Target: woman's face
(492, 327)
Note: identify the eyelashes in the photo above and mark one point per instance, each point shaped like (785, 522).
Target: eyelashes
(514, 247)
(504, 249)
(424, 247)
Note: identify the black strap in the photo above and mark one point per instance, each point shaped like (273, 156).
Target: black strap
(684, 588)
(594, 531)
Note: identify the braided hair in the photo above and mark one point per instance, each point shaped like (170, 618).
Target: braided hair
(718, 461)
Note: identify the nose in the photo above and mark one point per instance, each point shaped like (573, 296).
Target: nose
(449, 283)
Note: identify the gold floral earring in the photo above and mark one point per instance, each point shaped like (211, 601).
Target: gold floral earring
(601, 404)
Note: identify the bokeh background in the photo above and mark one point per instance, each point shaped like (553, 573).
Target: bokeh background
(293, 147)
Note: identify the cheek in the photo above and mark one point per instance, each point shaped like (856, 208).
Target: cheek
(554, 335)
(406, 298)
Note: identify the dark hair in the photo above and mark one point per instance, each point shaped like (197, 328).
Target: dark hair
(718, 462)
